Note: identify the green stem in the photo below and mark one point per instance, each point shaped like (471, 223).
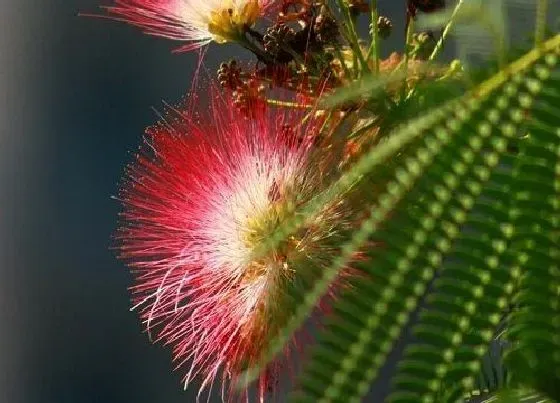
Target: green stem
(325, 123)
(355, 54)
(406, 58)
(363, 129)
(247, 44)
(340, 57)
(373, 50)
(352, 36)
(287, 104)
(446, 31)
(540, 22)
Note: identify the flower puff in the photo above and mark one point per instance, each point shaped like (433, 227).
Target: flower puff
(199, 201)
(197, 22)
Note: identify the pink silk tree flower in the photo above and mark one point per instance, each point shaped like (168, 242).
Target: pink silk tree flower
(198, 201)
(197, 22)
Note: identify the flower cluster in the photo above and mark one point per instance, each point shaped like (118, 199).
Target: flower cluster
(200, 200)
(208, 191)
(192, 21)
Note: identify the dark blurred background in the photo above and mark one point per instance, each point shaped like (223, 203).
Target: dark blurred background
(75, 96)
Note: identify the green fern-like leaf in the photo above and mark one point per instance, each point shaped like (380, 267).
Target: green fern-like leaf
(451, 199)
(517, 396)
(535, 326)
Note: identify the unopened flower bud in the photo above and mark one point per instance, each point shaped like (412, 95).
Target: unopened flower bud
(277, 37)
(326, 28)
(229, 75)
(423, 44)
(384, 27)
